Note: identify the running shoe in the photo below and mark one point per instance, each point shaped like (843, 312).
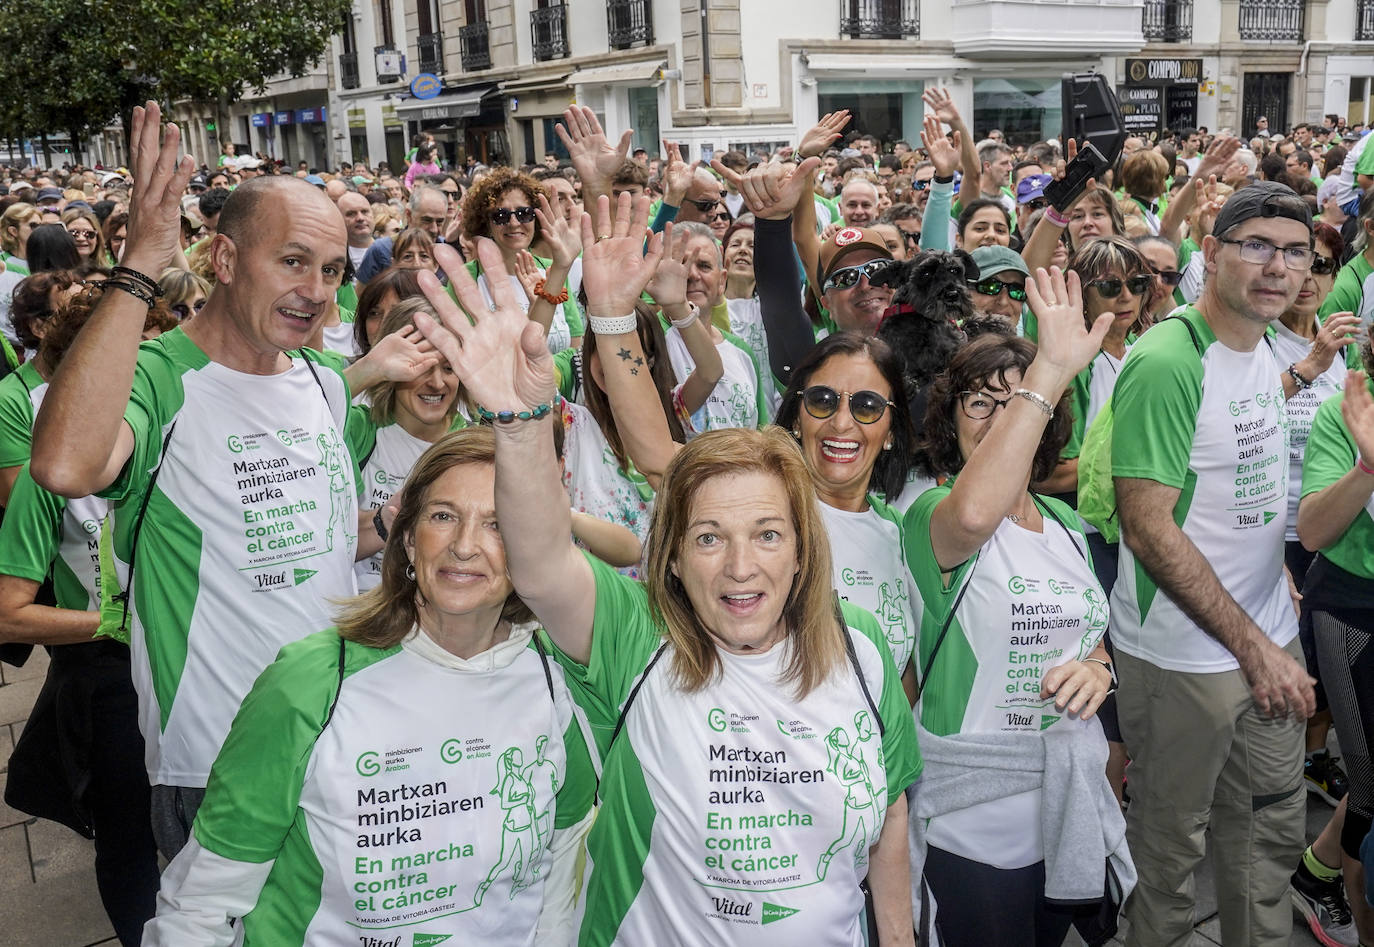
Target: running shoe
(1325, 777)
(1322, 904)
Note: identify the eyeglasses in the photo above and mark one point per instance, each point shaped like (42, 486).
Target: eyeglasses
(979, 406)
(183, 311)
(1322, 265)
(1261, 252)
(994, 287)
(850, 275)
(911, 237)
(920, 185)
(1110, 287)
(1169, 277)
(82, 234)
(502, 215)
(705, 206)
(822, 401)
(1036, 203)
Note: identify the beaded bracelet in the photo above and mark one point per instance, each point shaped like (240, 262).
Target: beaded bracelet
(555, 300)
(1302, 383)
(510, 417)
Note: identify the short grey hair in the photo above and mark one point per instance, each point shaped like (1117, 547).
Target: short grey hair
(695, 228)
(989, 151)
(418, 195)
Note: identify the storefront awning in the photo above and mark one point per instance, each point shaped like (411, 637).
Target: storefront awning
(635, 72)
(854, 66)
(465, 103)
(557, 81)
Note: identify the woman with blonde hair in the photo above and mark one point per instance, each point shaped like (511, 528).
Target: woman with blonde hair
(16, 224)
(335, 810)
(184, 291)
(711, 685)
(84, 227)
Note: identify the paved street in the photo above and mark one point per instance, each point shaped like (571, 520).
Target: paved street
(47, 886)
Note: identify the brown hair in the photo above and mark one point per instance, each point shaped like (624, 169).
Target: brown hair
(68, 321)
(1102, 195)
(1103, 255)
(14, 216)
(31, 300)
(630, 174)
(412, 238)
(383, 394)
(1143, 174)
(394, 279)
(483, 197)
(809, 611)
(986, 358)
(382, 617)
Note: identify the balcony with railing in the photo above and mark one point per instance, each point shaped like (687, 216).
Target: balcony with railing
(1364, 20)
(1168, 21)
(880, 19)
(629, 23)
(549, 32)
(475, 45)
(348, 70)
(430, 46)
(1275, 20)
(1025, 29)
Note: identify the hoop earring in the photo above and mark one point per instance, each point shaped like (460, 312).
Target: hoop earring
(410, 572)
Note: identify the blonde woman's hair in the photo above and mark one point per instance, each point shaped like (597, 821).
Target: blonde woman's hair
(809, 612)
(383, 394)
(14, 216)
(383, 616)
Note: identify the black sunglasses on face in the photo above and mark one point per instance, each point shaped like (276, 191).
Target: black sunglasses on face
(1169, 277)
(992, 287)
(1322, 265)
(184, 311)
(705, 206)
(502, 215)
(920, 185)
(911, 237)
(822, 402)
(721, 216)
(1110, 287)
(849, 276)
(1036, 203)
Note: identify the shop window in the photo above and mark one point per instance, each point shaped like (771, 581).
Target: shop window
(1025, 110)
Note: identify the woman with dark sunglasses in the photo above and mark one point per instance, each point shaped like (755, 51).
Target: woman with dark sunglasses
(847, 410)
(1011, 646)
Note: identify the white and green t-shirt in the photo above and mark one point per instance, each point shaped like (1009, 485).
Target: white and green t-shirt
(21, 392)
(1215, 428)
(737, 814)
(567, 318)
(248, 540)
(1289, 347)
(342, 339)
(1088, 392)
(435, 802)
(1031, 604)
(869, 571)
(1353, 291)
(42, 531)
(746, 324)
(394, 452)
(736, 401)
(1331, 454)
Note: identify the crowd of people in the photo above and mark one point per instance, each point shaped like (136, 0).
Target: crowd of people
(840, 545)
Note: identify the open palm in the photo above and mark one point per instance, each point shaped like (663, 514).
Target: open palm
(593, 157)
(616, 268)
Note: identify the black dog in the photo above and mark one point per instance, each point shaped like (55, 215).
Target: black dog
(929, 304)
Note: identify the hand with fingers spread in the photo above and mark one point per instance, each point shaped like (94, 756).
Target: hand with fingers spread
(942, 104)
(677, 176)
(400, 357)
(154, 229)
(527, 271)
(1218, 155)
(595, 159)
(823, 134)
(1357, 410)
(771, 191)
(563, 239)
(498, 352)
(1339, 330)
(944, 154)
(1065, 346)
(669, 284)
(616, 269)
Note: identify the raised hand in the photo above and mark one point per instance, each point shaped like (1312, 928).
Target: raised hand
(154, 231)
(942, 104)
(617, 265)
(564, 240)
(676, 176)
(943, 153)
(593, 157)
(527, 271)
(669, 284)
(1218, 155)
(1066, 346)
(1357, 410)
(402, 356)
(771, 190)
(823, 134)
(1339, 330)
(498, 352)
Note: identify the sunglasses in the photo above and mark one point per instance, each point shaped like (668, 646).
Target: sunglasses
(993, 287)
(822, 402)
(911, 237)
(720, 216)
(705, 206)
(502, 215)
(183, 311)
(82, 234)
(1110, 288)
(1036, 203)
(1322, 265)
(1169, 277)
(850, 275)
(920, 185)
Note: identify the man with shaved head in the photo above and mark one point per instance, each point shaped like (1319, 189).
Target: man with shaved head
(336, 189)
(223, 446)
(357, 215)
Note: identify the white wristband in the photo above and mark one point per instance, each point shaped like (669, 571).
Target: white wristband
(693, 311)
(1037, 399)
(613, 325)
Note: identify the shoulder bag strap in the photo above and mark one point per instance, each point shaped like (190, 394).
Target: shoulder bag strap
(858, 671)
(634, 692)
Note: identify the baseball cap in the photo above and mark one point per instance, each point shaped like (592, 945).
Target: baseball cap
(996, 259)
(1032, 186)
(844, 242)
(314, 179)
(49, 194)
(20, 185)
(198, 180)
(1261, 199)
(111, 177)
(361, 179)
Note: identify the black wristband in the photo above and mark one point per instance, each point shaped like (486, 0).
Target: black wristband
(939, 180)
(380, 526)
(147, 281)
(132, 288)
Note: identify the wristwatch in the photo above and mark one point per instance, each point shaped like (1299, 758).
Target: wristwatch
(377, 522)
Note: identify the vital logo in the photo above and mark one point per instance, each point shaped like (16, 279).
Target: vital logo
(732, 908)
(716, 720)
(367, 764)
(302, 575)
(426, 940)
(776, 912)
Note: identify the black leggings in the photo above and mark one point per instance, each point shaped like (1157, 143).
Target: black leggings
(1346, 655)
(981, 906)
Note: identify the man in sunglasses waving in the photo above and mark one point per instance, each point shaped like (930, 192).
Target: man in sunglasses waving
(850, 261)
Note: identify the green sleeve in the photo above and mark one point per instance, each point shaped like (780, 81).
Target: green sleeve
(154, 400)
(1346, 293)
(1078, 399)
(255, 784)
(1155, 403)
(901, 754)
(16, 421)
(1331, 451)
(565, 373)
(360, 434)
(1030, 326)
(31, 530)
(577, 794)
(7, 354)
(1365, 163)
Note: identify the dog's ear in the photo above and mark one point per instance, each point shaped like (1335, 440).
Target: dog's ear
(970, 268)
(895, 275)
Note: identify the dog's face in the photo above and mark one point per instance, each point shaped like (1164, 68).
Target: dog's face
(934, 283)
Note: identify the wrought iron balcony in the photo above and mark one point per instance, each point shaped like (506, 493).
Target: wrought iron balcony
(549, 32)
(1272, 19)
(629, 23)
(880, 19)
(430, 46)
(348, 70)
(475, 46)
(1364, 20)
(1168, 21)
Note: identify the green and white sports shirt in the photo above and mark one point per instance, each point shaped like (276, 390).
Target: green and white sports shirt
(736, 814)
(43, 531)
(394, 451)
(433, 805)
(248, 540)
(21, 392)
(1215, 428)
(1331, 454)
